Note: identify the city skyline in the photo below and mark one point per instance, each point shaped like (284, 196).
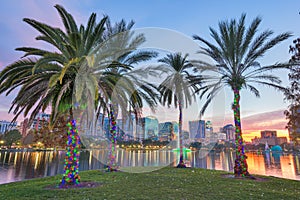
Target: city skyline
(256, 113)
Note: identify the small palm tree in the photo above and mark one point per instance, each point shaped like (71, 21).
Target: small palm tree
(176, 88)
(236, 55)
(127, 89)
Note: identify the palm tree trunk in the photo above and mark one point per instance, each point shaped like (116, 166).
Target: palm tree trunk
(181, 163)
(112, 165)
(71, 166)
(240, 167)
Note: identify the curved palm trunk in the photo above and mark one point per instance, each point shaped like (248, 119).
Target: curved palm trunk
(112, 164)
(240, 167)
(71, 166)
(181, 162)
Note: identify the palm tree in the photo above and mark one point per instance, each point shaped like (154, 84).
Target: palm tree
(176, 89)
(127, 89)
(236, 55)
(48, 78)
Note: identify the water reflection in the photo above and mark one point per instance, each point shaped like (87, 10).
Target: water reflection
(15, 166)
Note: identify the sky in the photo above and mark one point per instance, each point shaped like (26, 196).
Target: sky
(184, 18)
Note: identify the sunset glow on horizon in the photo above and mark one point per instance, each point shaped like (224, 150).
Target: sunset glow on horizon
(251, 134)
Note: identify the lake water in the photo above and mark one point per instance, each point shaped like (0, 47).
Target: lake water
(17, 166)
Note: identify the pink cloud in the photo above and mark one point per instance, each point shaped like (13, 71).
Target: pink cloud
(274, 120)
(262, 121)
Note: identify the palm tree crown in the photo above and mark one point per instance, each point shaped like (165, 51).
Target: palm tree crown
(237, 51)
(47, 78)
(175, 86)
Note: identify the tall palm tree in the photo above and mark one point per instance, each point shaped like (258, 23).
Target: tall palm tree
(176, 89)
(128, 90)
(48, 78)
(236, 54)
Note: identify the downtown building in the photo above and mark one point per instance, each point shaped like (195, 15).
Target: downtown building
(229, 130)
(168, 131)
(7, 126)
(40, 120)
(126, 128)
(269, 137)
(197, 129)
(148, 128)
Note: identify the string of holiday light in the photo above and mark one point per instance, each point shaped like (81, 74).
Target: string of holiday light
(240, 167)
(112, 165)
(71, 165)
(179, 138)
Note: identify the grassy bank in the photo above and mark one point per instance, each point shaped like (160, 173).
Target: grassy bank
(167, 183)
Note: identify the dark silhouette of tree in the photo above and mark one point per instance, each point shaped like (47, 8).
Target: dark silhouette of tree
(11, 137)
(293, 93)
(52, 136)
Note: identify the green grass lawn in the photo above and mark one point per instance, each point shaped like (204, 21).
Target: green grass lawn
(166, 183)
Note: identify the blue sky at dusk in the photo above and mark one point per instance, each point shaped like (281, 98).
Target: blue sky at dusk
(185, 17)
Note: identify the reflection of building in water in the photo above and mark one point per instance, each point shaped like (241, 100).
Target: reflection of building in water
(226, 161)
(288, 166)
(296, 161)
(269, 137)
(276, 159)
(211, 159)
(272, 164)
(199, 159)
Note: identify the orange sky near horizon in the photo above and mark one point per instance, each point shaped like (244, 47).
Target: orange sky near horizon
(250, 134)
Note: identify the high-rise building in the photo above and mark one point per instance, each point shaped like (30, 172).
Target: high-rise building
(229, 130)
(268, 134)
(39, 120)
(7, 126)
(150, 127)
(166, 130)
(37, 123)
(127, 127)
(197, 129)
(24, 127)
(103, 126)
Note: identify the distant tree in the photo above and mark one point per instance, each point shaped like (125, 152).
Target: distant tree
(28, 139)
(147, 142)
(52, 136)
(11, 137)
(293, 94)
(196, 145)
